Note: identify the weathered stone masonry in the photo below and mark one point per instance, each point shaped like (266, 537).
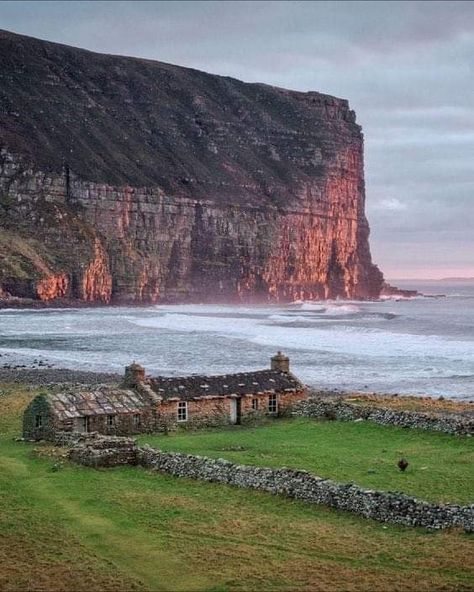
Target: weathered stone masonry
(143, 405)
(390, 507)
(321, 408)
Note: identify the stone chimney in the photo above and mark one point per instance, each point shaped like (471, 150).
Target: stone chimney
(134, 375)
(280, 362)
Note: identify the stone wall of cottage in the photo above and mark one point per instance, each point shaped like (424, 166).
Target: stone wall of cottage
(382, 506)
(120, 424)
(201, 413)
(320, 408)
(214, 412)
(287, 401)
(39, 408)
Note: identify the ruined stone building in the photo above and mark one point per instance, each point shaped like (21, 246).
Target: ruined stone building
(143, 404)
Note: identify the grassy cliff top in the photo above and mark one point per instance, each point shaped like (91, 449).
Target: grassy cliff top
(122, 120)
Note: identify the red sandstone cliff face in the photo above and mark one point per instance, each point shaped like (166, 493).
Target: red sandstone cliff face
(158, 183)
(52, 286)
(96, 284)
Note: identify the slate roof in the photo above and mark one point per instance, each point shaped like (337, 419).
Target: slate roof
(105, 401)
(243, 383)
(114, 401)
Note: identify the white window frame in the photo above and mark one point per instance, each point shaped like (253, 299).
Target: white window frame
(182, 411)
(273, 403)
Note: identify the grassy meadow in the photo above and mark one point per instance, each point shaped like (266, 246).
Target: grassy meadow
(128, 529)
(440, 465)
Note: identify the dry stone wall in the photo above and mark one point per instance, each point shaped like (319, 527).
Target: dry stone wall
(340, 410)
(105, 452)
(389, 507)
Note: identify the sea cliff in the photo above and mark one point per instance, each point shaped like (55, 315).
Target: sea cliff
(128, 180)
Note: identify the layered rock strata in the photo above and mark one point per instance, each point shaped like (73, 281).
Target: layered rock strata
(129, 180)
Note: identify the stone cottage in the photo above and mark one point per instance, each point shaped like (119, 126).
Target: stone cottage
(143, 404)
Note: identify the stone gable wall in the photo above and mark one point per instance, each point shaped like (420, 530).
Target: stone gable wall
(337, 409)
(390, 507)
(39, 406)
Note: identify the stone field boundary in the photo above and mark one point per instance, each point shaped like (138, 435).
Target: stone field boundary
(321, 408)
(391, 507)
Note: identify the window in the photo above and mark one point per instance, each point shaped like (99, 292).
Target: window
(254, 404)
(136, 420)
(182, 411)
(272, 404)
(110, 421)
(85, 424)
(39, 421)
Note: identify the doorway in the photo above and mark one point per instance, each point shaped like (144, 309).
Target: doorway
(84, 424)
(235, 411)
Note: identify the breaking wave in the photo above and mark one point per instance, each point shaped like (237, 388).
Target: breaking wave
(422, 345)
(329, 308)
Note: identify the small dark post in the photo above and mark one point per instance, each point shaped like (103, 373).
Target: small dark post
(402, 464)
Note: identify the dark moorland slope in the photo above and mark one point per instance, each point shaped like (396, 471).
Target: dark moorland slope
(129, 180)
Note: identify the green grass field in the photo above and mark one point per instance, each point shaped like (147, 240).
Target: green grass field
(441, 466)
(128, 529)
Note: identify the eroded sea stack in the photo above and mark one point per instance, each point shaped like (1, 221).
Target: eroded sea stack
(129, 180)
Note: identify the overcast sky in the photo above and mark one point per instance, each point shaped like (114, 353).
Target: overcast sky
(407, 69)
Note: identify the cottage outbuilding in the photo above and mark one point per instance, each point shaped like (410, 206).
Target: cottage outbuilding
(143, 404)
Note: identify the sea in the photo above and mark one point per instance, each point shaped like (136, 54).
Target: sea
(422, 345)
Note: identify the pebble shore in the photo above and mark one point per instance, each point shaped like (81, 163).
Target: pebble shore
(48, 376)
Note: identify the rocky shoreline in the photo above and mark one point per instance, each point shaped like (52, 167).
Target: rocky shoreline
(55, 376)
(34, 304)
(62, 303)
